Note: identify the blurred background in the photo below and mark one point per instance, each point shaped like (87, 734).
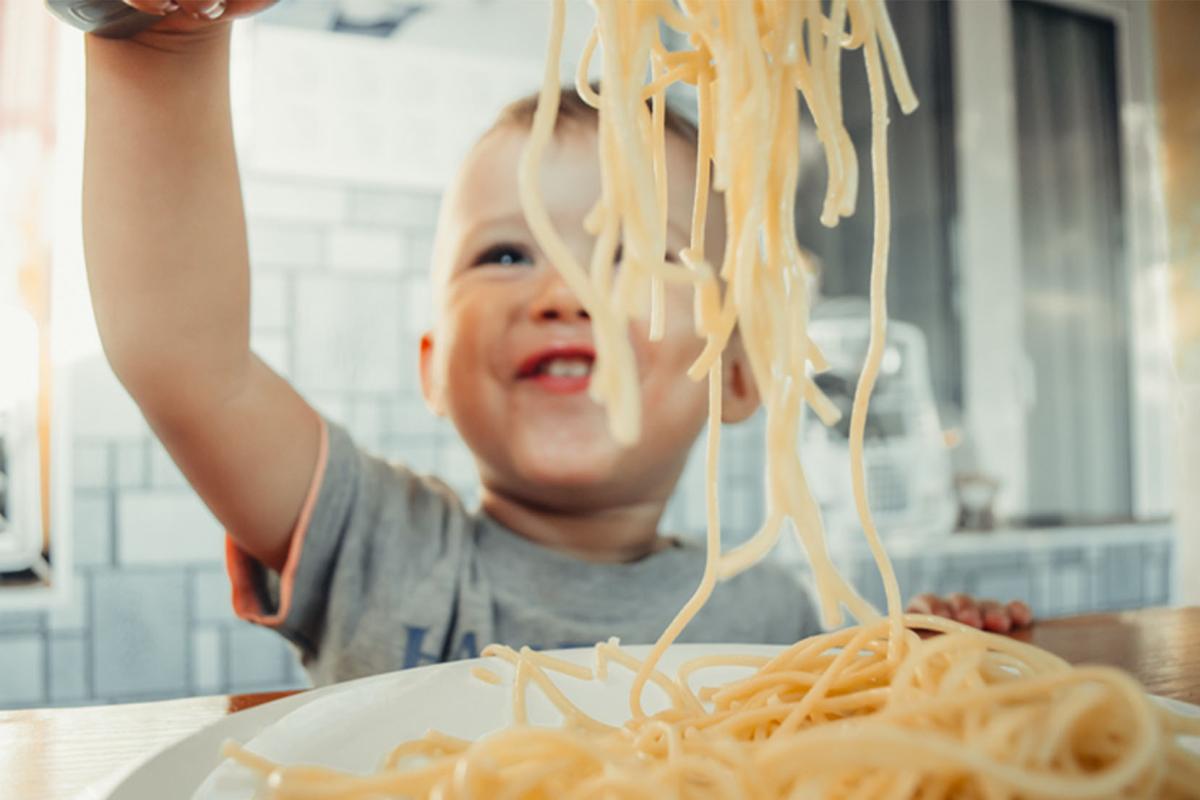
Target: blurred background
(1030, 437)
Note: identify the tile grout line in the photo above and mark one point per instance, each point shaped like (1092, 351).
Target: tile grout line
(113, 500)
(90, 641)
(189, 622)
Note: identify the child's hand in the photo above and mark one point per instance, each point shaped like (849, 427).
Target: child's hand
(988, 615)
(183, 16)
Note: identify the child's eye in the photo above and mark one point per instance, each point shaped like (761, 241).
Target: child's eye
(504, 255)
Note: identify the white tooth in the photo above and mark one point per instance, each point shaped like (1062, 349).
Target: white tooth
(567, 368)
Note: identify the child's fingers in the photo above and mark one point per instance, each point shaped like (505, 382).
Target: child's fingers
(995, 617)
(966, 610)
(203, 9)
(930, 604)
(1020, 613)
(156, 7)
(920, 604)
(986, 614)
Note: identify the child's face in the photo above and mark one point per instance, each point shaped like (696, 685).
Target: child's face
(509, 358)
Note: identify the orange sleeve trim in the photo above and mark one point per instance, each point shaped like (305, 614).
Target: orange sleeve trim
(241, 566)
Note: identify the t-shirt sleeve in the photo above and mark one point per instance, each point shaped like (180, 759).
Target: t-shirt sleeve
(363, 522)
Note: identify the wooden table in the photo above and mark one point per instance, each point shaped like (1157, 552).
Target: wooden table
(58, 753)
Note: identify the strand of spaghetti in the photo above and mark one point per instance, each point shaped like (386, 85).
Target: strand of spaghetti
(614, 351)
(625, 118)
(546, 661)
(1068, 713)
(713, 547)
(680, 695)
(718, 338)
(1183, 770)
(818, 691)
(1011, 691)
(847, 159)
(520, 687)
(789, 490)
(684, 73)
(304, 782)
(899, 749)
(658, 308)
(826, 411)
(684, 23)
(895, 62)
(572, 714)
(486, 675)
(602, 786)
(247, 758)
(432, 743)
(706, 293)
(870, 371)
(583, 86)
(690, 667)
(530, 666)
(1041, 660)
(742, 690)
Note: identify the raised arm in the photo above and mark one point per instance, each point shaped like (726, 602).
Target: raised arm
(167, 260)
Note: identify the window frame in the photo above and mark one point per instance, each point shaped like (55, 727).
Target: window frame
(997, 376)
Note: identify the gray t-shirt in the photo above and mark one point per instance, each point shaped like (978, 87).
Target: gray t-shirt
(393, 571)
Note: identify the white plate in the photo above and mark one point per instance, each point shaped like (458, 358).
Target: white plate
(355, 728)
(352, 726)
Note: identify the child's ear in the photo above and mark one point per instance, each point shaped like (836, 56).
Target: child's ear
(429, 384)
(739, 397)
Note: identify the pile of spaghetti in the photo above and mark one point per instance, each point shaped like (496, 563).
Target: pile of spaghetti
(866, 711)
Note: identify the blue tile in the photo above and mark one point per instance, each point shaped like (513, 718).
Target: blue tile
(211, 596)
(208, 660)
(92, 465)
(297, 677)
(140, 633)
(1005, 585)
(23, 678)
(91, 527)
(68, 669)
(21, 621)
(258, 659)
(72, 614)
(132, 463)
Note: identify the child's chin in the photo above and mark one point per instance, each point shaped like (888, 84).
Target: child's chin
(578, 467)
(568, 473)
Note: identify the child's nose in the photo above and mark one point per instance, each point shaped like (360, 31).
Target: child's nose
(556, 302)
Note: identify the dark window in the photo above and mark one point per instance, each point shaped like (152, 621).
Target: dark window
(1073, 262)
(921, 285)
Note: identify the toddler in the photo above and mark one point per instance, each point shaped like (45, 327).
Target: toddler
(364, 565)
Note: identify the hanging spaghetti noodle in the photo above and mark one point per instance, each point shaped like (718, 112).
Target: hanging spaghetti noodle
(870, 710)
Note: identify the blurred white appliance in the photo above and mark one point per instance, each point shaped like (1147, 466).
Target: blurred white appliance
(20, 493)
(909, 475)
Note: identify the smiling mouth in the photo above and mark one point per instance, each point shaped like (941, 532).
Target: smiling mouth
(558, 372)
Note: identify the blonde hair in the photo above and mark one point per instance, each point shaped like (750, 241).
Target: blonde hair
(572, 110)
